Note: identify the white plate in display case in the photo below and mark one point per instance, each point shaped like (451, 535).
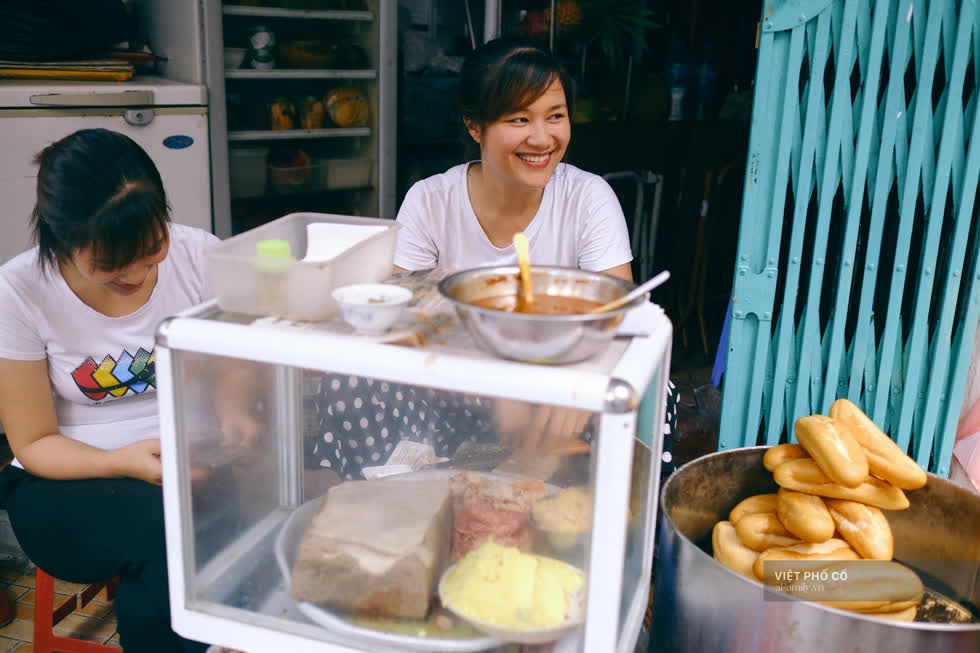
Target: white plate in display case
(285, 549)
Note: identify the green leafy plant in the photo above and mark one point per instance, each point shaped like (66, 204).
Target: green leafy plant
(612, 25)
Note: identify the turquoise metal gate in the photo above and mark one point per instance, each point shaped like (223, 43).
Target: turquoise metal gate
(857, 271)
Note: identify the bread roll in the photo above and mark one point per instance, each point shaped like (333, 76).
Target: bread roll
(885, 459)
(871, 586)
(753, 505)
(873, 608)
(729, 550)
(832, 549)
(804, 515)
(836, 452)
(864, 527)
(803, 475)
(776, 456)
(763, 531)
(908, 614)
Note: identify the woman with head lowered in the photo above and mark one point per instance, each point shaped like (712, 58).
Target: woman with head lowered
(77, 380)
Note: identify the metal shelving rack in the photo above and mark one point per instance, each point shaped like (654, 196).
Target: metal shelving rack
(376, 141)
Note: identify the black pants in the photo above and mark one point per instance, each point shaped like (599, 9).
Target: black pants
(93, 529)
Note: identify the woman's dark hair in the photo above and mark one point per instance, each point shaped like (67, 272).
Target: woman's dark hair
(97, 188)
(504, 75)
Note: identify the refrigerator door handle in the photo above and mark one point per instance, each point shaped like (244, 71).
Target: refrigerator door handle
(139, 117)
(95, 99)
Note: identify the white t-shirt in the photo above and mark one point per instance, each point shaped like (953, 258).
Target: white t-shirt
(579, 224)
(101, 368)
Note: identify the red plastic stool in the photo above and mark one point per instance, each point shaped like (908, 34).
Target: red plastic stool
(46, 616)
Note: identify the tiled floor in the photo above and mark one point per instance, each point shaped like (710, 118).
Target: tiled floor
(95, 622)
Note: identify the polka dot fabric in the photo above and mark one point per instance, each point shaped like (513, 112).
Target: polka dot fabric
(351, 407)
(670, 428)
(361, 420)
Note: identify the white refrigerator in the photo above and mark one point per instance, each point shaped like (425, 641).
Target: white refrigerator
(168, 118)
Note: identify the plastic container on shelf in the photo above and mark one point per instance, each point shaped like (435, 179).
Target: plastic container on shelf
(247, 170)
(234, 57)
(286, 179)
(352, 250)
(344, 173)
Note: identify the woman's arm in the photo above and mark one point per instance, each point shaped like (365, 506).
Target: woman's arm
(28, 415)
(603, 239)
(415, 247)
(624, 271)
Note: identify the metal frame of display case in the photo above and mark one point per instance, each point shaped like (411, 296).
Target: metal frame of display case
(615, 384)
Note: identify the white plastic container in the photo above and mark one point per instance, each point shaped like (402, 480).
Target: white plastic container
(345, 173)
(247, 171)
(296, 289)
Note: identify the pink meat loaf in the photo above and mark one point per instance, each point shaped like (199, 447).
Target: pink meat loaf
(486, 507)
(478, 521)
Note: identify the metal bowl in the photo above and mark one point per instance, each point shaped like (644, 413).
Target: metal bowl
(701, 605)
(531, 337)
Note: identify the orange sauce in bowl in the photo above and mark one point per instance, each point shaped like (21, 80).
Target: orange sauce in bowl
(540, 305)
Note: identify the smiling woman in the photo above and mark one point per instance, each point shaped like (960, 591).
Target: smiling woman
(515, 101)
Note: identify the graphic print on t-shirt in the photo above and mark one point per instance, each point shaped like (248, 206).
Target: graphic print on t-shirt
(114, 377)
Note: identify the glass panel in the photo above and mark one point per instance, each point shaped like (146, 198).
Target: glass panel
(226, 419)
(265, 443)
(637, 564)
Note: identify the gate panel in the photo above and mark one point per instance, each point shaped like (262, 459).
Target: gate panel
(857, 271)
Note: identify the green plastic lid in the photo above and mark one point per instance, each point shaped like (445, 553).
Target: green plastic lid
(273, 248)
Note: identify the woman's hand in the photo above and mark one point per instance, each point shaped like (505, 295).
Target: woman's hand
(238, 392)
(139, 460)
(552, 427)
(538, 429)
(239, 429)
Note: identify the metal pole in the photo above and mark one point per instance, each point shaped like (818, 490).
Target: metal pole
(469, 23)
(551, 28)
(491, 20)
(629, 81)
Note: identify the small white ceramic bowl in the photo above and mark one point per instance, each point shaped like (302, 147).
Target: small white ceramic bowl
(371, 308)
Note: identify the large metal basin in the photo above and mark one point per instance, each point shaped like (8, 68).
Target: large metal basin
(700, 605)
(538, 338)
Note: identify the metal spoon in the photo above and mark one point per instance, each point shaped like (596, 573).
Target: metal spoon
(633, 294)
(524, 259)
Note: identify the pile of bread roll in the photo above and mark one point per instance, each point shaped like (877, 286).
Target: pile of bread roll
(832, 488)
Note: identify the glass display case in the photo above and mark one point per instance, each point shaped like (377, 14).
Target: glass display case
(261, 418)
